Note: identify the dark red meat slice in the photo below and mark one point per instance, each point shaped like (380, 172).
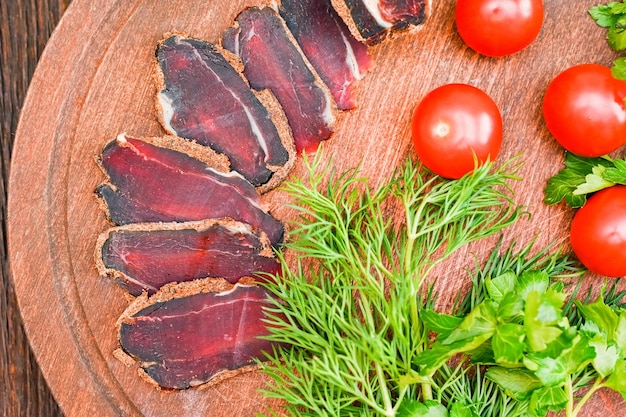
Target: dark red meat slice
(149, 183)
(375, 18)
(272, 60)
(340, 59)
(146, 256)
(202, 97)
(182, 341)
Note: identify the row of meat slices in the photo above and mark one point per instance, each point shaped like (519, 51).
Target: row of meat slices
(191, 238)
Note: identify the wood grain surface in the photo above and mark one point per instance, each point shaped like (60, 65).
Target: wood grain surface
(94, 82)
(25, 27)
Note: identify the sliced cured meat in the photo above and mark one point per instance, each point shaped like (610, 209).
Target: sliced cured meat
(272, 60)
(202, 97)
(371, 20)
(340, 59)
(186, 337)
(146, 256)
(150, 183)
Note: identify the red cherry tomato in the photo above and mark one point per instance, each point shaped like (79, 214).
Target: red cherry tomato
(454, 124)
(499, 27)
(584, 110)
(598, 232)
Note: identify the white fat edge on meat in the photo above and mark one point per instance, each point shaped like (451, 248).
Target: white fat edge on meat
(130, 280)
(235, 228)
(236, 30)
(167, 109)
(241, 286)
(121, 138)
(254, 126)
(327, 113)
(245, 299)
(351, 60)
(123, 142)
(251, 34)
(256, 131)
(235, 174)
(372, 8)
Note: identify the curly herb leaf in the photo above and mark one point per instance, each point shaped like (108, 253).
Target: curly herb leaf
(581, 177)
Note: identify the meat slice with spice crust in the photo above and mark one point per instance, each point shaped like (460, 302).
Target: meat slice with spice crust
(146, 256)
(272, 60)
(339, 58)
(203, 97)
(196, 333)
(372, 20)
(149, 183)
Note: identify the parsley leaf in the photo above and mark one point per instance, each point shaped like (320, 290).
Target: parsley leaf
(581, 177)
(508, 343)
(499, 286)
(548, 398)
(413, 408)
(461, 410)
(602, 14)
(617, 173)
(519, 383)
(607, 355)
(619, 69)
(441, 323)
(617, 380)
(612, 16)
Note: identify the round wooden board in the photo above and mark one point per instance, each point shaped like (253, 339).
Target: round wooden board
(94, 81)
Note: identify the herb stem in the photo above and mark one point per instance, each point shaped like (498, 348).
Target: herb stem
(427, 391)
(570, 396)
(592, 390)
(389, 410)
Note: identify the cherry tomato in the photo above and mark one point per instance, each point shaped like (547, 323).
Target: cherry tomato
(598, 232)
(498, 27)
(584, 110)
(454, 124)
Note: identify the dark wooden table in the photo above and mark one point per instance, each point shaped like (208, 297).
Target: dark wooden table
(25, 26)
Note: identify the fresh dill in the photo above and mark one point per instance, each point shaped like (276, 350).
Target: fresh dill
(352, 315)
(356, 316)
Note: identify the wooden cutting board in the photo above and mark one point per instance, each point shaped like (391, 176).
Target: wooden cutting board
(94, 82)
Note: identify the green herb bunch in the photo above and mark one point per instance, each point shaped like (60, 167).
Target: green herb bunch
(351, 309)
(537, 347)
(358, 321)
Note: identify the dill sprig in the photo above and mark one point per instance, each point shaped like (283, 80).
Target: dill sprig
(350, 309)
(466, 384)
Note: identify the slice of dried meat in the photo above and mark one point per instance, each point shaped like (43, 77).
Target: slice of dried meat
(339, 58)
(272, 60)
(149, 183)
(146, 256)
(202, 97)
(187, 335)
(372, 20)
